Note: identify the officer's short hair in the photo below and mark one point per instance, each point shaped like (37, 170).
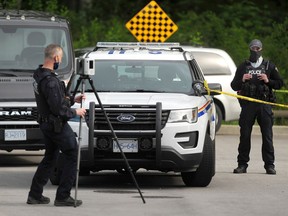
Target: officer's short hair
(52, 50)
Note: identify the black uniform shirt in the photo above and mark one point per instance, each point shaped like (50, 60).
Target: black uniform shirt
(51, 95)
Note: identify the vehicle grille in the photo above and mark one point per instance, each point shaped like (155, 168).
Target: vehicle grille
(145, 118)
(18, 114)
(19, 126)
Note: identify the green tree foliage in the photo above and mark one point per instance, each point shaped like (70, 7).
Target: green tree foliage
(89, 34)
(276, 44)
(224, 24)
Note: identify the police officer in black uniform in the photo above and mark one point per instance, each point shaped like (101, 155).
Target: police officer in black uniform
(256, 78)
(54, 110)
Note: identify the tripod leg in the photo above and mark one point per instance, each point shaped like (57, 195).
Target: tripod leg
(116, 139)
(79, 144)
(77, 86)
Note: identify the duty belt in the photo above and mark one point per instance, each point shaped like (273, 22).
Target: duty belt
(42, 119)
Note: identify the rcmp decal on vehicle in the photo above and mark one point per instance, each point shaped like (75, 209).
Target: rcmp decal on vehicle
(155, 52)
(123, 52)
(204, 109)
(120, 52)
(207, 107)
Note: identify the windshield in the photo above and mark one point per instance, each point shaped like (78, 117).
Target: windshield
(142, 76)
(23, 48)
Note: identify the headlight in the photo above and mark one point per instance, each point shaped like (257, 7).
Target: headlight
(189, 115)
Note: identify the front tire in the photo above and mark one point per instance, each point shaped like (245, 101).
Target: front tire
(219, 118)
(206, 170)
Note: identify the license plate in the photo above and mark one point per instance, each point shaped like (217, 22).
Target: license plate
(15, 135)
(127, 145)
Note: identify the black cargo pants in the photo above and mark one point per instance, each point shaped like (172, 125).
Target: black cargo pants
(263, 114)
(66, 142)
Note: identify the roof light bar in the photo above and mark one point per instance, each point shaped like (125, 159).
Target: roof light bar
(137, 44)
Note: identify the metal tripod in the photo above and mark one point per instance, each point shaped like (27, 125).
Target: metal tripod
(80, 80)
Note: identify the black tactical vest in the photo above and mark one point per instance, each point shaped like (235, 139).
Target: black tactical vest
(42, 105)
(256, 88)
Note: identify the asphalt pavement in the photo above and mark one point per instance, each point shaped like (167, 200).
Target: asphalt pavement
(110, 193)
(234, 130)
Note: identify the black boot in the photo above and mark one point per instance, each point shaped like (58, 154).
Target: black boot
(42, 200)
(67, 202)
(270, 170)
(240, 169)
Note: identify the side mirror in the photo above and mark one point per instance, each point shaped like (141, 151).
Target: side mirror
(199, 88)
(215, 86)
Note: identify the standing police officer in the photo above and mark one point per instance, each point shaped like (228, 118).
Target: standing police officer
(54, 110)
(256, 78)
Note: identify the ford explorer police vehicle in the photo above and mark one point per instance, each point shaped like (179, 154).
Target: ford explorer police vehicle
(217, 66)
(155, 99)
(23, 37)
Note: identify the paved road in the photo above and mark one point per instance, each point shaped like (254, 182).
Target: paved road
(108, 193)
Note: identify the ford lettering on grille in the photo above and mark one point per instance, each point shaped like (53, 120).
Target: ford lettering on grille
(125, 118)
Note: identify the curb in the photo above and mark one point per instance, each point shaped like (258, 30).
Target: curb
(234, 130)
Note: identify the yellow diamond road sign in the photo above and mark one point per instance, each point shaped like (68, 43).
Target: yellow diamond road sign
(151, 24)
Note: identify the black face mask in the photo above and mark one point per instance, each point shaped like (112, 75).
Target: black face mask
(254, 55)
(56, 65)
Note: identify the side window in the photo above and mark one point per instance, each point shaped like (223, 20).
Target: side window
(212, 63)
(198, 75)
(10, 37)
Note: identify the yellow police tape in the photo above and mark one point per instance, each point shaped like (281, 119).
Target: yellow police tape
(244, 97)
(282, 91)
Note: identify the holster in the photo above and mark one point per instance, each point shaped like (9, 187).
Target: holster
(57, 123)
(41, 119)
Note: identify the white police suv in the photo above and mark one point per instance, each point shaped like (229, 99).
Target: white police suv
(155, 98)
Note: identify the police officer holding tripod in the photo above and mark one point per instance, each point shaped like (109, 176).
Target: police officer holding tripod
(54, 110)
(256, 78)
